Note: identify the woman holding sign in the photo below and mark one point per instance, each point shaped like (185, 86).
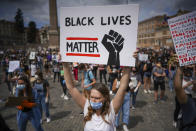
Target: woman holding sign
(99, 111)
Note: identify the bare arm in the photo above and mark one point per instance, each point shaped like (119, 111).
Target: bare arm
(180, 93)
(156, 74)
(47, 92)
(92, 83)
(119, 97)
(76, 95)
(187, 84)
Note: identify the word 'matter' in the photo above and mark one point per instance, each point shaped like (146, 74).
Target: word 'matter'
(88, 21)
(85, 47)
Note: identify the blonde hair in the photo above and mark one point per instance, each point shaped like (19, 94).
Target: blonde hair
(106, 105)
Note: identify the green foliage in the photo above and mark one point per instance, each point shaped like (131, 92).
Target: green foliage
(19, 22)
(31, 32)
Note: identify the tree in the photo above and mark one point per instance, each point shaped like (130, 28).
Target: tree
(19, 22)
(31, 32)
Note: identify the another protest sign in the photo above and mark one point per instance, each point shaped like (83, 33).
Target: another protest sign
(143, 57)
(99, 34)
(13, 65)
(32, 56)
(183, 32)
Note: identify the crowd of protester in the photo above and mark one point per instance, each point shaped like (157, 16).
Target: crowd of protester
(157, 72)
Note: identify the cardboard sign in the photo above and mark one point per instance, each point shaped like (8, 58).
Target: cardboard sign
(32, 56)
(99, 34)
(183, 33)
(143, 57)
(13, 65)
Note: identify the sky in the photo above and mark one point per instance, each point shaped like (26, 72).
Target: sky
(38, 10)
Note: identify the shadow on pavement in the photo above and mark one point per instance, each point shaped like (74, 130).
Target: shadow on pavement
(140, 104)
(10, 116)
(60, 115)
(52, 106)
(134, 120)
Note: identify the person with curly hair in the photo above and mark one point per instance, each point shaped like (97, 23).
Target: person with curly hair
(99, 110)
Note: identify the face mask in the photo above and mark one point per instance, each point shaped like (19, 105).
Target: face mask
(36, 77)
(20, 87)
(96, 105)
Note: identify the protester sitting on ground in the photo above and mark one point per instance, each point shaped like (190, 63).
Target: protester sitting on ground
(187, 104)
(99, 111)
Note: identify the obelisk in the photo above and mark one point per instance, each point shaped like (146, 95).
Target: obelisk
(53, 29)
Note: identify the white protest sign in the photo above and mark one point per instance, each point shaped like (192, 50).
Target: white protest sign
(143, 57)
(54, 57)
(1, 52)
(183, 31)
(99, 34)
(32, 56)
(13, 65)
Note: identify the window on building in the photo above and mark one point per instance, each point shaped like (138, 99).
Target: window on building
(144, 41)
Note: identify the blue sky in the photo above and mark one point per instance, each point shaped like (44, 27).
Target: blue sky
(38, 10)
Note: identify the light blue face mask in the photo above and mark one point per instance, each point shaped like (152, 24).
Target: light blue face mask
(20, 86)
(96, 105)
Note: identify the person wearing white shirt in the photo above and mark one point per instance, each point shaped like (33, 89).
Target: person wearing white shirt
(99, 111)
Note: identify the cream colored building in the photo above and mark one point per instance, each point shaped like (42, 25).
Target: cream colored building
(44, 34)
(154, 32)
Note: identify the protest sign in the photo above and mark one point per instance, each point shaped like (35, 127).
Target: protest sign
(1, 52)
(32, 56)
(183, 33)
(99, 34)
(13, 65)
(143, 57)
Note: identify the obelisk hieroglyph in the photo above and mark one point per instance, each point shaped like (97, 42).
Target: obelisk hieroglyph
(53, 30)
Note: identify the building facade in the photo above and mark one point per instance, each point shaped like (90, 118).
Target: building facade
(154, 32)
(44, 34)
(9, 35)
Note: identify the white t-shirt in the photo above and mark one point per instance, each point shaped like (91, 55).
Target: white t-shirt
(97, 123)
(187, 90)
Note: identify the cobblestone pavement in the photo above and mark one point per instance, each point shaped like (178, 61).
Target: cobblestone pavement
(65, 114)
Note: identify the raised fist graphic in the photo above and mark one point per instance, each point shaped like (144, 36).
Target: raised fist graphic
(113, 42)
